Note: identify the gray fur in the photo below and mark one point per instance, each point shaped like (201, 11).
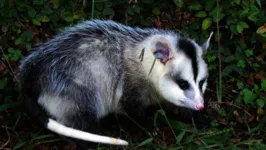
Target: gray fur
(88, 71)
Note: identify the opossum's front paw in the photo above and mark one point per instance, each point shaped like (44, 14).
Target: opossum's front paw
(154, 131)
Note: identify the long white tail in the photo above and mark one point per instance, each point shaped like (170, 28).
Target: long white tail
(74, 133)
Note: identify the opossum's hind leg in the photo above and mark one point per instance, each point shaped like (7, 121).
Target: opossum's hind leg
(75, 106)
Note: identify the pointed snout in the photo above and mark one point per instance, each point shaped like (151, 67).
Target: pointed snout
(199, 107)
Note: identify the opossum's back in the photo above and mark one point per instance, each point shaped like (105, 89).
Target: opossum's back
(81, 45)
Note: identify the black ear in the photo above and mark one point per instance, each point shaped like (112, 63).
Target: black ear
(162, 51)
(206, 45)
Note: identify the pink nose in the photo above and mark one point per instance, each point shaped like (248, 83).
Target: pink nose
(199, 107)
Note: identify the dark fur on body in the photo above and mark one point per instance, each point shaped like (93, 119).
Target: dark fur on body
(52, 67)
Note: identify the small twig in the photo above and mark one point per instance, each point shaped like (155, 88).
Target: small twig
(2, 146)
(219, 90)
(230, 104)
(152, 66)
(141, 56)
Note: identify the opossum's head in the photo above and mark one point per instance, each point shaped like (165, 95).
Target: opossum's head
(182, 73)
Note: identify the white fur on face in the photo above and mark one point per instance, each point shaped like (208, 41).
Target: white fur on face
(179, 64)
(170, 90)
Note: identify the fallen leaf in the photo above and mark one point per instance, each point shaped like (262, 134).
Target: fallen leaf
(260, 111)
(238, 117)
(223, 121)
(197, 142)
(260, 75)
(264, 45)
(251, 78)
(261, 30)
(251, 118)
(236, 140)
(261, 56)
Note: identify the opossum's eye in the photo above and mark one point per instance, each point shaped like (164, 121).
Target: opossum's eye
(201, 83)
(183, 84)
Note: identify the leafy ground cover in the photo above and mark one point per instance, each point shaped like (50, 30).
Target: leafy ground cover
(237, 86)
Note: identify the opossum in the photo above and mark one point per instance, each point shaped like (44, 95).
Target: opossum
(92, 69)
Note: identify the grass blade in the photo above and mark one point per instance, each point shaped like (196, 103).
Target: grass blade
(145, 142)
(9, 106)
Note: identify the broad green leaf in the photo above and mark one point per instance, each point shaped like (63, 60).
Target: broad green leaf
(249, 96)
(256, 88)
(201, 14)
(179, 3)
(209, 5)
(211, 58)
(2, 3)
(56, 3)
(3, 83)
(178, 125)
(261, 30)
(248, 52)
(5, 107)
(146, 22)
(78, 14)
(108, 11)
(38, 2)
(230, 58)
(220, 17)
(45, 19)
(252, 18)
(239, 28)
(195, 6)
(240, 85)
(18, 41)
(36, 22)
(243, 24)
(130, 11)
(230, 20)
(244, 13)
(214, 123)
(263, 85)
(233, 29)
(46, 10)
(241, 63)
(216, 10)
(237, 2)
(10, 50)
(108, 4)
(207, 22)
(27, 36)
(156, 11)
(260, 102)
(137, 9)
(28, 46)
(145, 142)
(31, 12)
(67, 16)
(180, 136)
